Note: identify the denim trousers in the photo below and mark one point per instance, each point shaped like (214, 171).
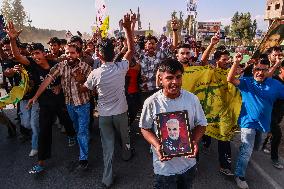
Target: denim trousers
(80, 116)
(108, 125)
(179, 181)
(30, 120)
(251, 139)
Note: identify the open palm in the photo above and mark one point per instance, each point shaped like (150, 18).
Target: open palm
(11, 31)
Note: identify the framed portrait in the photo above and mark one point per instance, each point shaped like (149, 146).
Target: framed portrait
(174, 134)
(274, 37)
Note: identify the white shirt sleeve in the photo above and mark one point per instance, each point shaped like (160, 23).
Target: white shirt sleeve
(147, 116)
(91, 81)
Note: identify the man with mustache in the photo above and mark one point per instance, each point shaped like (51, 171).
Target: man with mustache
(73, 74)
(258, 96)
(149, 61)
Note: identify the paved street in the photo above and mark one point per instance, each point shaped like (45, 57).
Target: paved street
(135, 174)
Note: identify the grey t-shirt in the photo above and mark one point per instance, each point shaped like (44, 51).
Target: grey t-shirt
(159, 103)
(109, 81)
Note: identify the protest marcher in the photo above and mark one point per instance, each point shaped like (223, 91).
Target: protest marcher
(109, 81)
(48, 102)
(221, 61)
(72, 73)
(8, 64)
(258, 95)
(177, 172)
(62, 114)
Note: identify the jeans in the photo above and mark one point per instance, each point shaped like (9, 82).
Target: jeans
(108, 125)
(30, 120)
(80, 116)
(181, 181)
(251, 139)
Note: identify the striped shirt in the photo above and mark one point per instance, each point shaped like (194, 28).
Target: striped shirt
(68, 82)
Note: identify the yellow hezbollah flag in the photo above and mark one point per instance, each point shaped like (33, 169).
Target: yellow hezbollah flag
(17, 92)
(220, 100)
(105, 27)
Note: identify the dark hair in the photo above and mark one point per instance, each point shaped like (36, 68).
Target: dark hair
(107, 49)
(218, 54)
(74, 45)
(54, 40)
(263, 61)
(63, 41)
(5, 41)
(76, 39)
(170, 65)
(151, 37)
(183, 45)
(275, 48)
(36, 46)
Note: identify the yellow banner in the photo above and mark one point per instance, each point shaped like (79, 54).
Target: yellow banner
(105, 27)
(221, 101)
(17, 92)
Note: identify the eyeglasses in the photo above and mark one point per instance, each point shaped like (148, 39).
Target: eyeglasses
(261, 69)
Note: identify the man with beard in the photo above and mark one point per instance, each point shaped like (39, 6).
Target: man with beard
(177, 172)
(258, 95)
(183, 54)
(149, 61)
(73, 74)
(173, 144)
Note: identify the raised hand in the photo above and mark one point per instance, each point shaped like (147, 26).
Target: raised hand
(11, 31)
(174, 25)
(238, 57)
(215, 39)
(133, 20)
(126, 22)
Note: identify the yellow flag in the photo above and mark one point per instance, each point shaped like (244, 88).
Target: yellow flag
(17, 92)
(220, 100)
(105, 27)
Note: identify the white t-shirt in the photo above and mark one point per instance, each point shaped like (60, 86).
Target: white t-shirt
(159, 103)
(109, 81)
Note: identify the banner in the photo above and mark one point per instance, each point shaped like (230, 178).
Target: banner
(208, 27)
(220, 100)
(102, 20)
(17, 92)
(274, 37)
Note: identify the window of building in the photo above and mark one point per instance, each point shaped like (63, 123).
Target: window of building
(268, 8)
(277, 6)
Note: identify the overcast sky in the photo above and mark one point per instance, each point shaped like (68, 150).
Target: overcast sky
(77, 15)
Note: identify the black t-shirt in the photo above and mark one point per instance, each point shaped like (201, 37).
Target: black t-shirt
(278, 107)
(8, 64)
(47, 98)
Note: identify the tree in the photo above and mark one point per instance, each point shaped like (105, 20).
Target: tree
(6, 10)
(242, 27)
(227, 30)
(18, 13)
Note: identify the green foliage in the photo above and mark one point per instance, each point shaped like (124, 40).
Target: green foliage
(242, 27)
(18, 13)
(6, 10)
(14, 11)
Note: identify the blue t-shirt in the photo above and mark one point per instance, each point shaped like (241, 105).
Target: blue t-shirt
(257, 102)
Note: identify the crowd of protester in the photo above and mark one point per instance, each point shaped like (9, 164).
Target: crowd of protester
(120, 76)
